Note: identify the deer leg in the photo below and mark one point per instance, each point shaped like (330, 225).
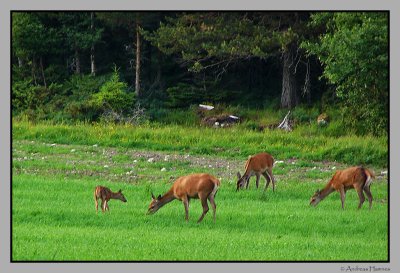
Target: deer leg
(361, 196)
(342, 195)
(213, 205)
(205, 208)
(186, 204)
(268, 180)
(247, 181)
(271, 177)
(257, 179)
(369, 195)
(102, 205)
(105, 205)
(96, 204)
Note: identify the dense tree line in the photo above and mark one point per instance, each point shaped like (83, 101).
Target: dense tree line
(79, 65)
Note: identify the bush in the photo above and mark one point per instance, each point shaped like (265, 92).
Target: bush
(113, 96)
(81, 87)
(22, 96)
(26, 96)
(74, 101)
(174, 116)
(183, 95)
(304, 115)
(354, 52)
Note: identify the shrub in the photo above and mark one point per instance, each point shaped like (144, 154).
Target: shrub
(183, 95)
(26, 96)
(22, 95)
(354, 52)
(113, 95)
(73, 102)
(304, 115)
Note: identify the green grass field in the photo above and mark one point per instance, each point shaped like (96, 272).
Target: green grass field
(55, 170)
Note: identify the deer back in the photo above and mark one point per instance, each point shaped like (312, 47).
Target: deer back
(259, 163)
(103, 192)
(350, 177)
(192, 185)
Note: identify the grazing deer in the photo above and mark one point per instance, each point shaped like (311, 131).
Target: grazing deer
(258, 164)
(357, 178)
(105, 194)
(202, 186)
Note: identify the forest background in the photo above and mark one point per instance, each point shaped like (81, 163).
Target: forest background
(154, 66)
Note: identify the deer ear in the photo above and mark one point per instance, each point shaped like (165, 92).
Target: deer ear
(120, 191)
(152, 196)
(159, 197)
(238, 175)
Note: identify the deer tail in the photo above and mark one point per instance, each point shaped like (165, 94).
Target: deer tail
(368, 174)
(217, 183)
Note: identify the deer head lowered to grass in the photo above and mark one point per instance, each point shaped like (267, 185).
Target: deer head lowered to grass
(105, 194)
(358, 178)
(201, 186)
(259, 164)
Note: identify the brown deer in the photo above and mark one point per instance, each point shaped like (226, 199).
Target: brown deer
(357, 178)
(258, 164)
(105, 194)
(202, 186)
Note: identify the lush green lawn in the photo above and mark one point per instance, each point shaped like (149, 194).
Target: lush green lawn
(53, 214)
(54, 219)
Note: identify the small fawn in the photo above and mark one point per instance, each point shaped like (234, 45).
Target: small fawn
(105, 194)
(203, 186)
(258, 164)
(357, 178)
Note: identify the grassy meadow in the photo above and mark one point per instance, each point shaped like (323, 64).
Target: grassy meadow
(56, 167)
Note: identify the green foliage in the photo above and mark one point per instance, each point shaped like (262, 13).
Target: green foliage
(77, 32)
(56, 73)
(27, 96)
(81, 87)
(201, 37)
(23, 96)
(304, 115)
(75, 101)
(235, 57)
(113, 95)
(354, 51)
(30, 36)
(183, 95)
(173, 116)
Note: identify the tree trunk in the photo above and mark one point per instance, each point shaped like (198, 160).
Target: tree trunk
(307, 83)
(138, 52)
(42, 70)
(289, 97)
(92, 61)
(77, 63)
(20, 62)
(34, 70)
